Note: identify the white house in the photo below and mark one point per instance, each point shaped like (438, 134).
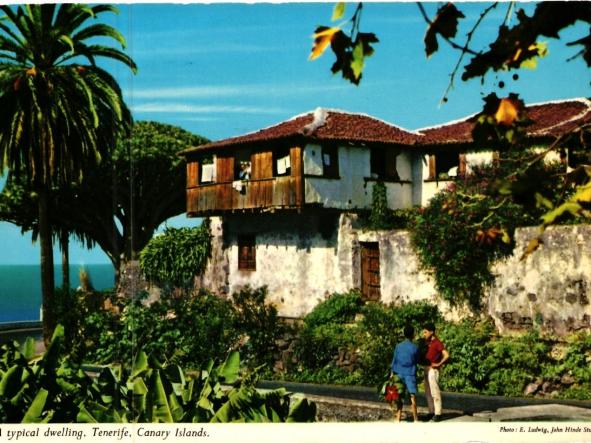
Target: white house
(284, 200)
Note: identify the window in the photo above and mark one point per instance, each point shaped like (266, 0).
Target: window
(247, 252)
(242, 165)
(446, 165)
(281, 162)
(383, 164)
(207, 169)
(330, 161)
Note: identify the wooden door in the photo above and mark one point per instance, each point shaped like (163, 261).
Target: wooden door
(370, 271)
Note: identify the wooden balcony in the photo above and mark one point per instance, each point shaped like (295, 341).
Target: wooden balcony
(262, 194)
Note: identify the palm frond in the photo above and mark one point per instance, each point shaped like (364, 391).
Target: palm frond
(100, 30)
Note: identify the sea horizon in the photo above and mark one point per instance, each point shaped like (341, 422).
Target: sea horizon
(20, 287)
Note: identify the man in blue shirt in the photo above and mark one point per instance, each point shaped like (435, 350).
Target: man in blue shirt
(404, 364)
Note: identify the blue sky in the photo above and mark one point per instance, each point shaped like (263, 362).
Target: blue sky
(220, 70)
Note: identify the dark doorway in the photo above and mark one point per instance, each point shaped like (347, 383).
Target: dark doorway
(370, 271)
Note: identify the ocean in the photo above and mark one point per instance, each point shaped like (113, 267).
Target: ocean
(20, 288)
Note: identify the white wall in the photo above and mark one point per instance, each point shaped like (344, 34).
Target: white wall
(353, 190)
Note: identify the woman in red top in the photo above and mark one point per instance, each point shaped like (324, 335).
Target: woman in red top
(435, 356)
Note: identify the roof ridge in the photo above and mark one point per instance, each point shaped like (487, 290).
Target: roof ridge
(582, 100)
(364, 114)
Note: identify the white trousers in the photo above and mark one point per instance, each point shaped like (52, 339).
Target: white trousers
(432, 392)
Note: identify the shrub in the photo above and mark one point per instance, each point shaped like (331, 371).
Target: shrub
(469, 225)
(575, 365)
(381, 329)
(318, 347)
(184, 330)
(258, 322)
(177, 255)
(467, 343)
(326, 329)
(340, 308)
(513, 362)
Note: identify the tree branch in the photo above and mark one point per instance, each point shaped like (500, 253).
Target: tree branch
(465, 50)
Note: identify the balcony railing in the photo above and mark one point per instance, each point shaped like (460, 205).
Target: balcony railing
(278, 192)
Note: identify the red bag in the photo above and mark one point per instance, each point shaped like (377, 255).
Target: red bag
(391, 393)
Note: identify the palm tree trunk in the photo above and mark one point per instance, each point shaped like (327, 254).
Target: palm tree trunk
(65, 247)
(47, 278)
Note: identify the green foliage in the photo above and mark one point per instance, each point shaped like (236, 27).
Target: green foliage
(185, 329)
(467, 342)
(379, 216)
(317, 346)
(329, 329)
(329, 374)
(258, 322)
(177, 255)
(158, 177)
(326, 329)
(513, 362)
(53, 389)
(459, 235)
(575, 364)
(338, 308)
(381, 328)
(35, 390)
(481, 362)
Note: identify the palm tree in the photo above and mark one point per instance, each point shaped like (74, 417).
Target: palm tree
(59, 112)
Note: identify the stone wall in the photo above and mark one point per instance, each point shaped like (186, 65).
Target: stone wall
(550, 288)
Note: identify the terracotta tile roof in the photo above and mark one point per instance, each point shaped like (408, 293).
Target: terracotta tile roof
(331, 125)
(549, 119)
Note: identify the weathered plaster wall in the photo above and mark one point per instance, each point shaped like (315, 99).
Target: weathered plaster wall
(353, 190)
(551, 287)
(304, 258)
(297, 258)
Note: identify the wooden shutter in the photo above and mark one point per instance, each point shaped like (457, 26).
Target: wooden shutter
(432, 168)
(247, 253)
(192, 173)
(462, 165)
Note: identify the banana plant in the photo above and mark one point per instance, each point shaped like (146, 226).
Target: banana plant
(167, 394)
(49, 388)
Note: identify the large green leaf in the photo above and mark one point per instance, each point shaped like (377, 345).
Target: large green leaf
(28, 348)
(97, 413)
(54, 350)
(161, 409)
(140, 365)
(302, 411)
(230, 369)
(11, 381)
(35, 412)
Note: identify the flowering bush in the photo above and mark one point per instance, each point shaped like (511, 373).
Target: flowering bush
(469, 225)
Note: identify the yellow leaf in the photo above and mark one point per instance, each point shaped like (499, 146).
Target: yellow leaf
(543, 201)
(338, 11)
(322, 38)
(358, 61)
(506, 237)
(533, 244)
(532, 62)
(507, 112)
